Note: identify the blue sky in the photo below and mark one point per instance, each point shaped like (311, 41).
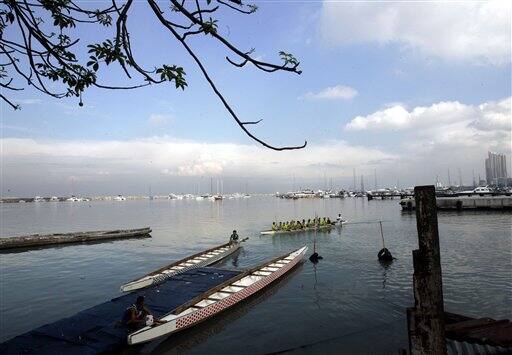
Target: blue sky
(410, 57)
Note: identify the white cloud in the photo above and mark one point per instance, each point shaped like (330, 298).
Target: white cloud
(159, 119)
(449, 124)
(462, 30)
(168, 156)
(28, 101)
(338, 92)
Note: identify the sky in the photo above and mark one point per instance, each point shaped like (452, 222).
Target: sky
(400, 91)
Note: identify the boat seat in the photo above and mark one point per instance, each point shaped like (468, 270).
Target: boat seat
(261, 273)
(204, 303)
(232, 289)
(219, 295)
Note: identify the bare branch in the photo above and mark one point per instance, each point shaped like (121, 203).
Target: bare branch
(258, 63)
(252, 122)
(158, 13)
(14, 106)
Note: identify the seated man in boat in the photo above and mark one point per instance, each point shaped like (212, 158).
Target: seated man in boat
(298, 225)
(309, 223)
(234, 237)
(280, 226)
(138, 315)
(274, 226)
(329, 221)
(304, 223)
(339, 219)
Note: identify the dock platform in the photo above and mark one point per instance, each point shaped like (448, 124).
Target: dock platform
(43, 240)
(459, 203)
(98, 330)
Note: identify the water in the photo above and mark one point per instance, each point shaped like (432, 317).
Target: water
(348, 303)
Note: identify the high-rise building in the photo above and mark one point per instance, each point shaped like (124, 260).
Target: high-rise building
(495, 168)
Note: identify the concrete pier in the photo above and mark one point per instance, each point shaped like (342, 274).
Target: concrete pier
(465, 203)
(39, 240)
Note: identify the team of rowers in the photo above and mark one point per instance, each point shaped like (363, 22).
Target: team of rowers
(298, 225)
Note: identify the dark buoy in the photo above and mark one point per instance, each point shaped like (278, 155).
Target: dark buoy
(385, 256)
(315, 257)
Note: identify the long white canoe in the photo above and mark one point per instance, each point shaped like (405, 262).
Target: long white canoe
(220, 297)
(201, 259)
(319, 228)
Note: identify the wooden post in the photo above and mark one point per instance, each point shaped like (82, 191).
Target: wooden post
(426, 320)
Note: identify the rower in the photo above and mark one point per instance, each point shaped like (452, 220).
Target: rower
(329, 221)
(234, 237)
(274, 227)
(339, 219)
(304, 223)
(138, 315)
(309, 222)
(280, 226)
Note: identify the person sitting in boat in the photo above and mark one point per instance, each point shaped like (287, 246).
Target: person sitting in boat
(280, 226)
(298, 225)
(304, 223)
(309, 223)
(339, 219)
(138, 315)
(274, 226)
(234, 237)
(329, 221)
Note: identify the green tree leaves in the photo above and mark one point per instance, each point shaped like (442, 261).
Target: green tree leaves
(173, 73)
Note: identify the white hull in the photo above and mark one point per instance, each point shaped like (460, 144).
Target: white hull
(220, 298)
(205, 258)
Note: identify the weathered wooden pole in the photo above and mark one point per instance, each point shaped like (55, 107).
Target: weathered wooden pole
(426, 320)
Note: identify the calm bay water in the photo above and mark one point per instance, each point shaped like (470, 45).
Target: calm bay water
(348, 303)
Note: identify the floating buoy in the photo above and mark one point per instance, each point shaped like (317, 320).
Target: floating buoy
(315, 257)
(384, 255)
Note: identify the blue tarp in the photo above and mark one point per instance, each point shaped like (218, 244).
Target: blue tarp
(97, 329)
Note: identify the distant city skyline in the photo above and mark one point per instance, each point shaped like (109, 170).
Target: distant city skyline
(495, 168)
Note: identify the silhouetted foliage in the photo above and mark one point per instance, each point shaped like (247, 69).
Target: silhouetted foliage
(42, 51)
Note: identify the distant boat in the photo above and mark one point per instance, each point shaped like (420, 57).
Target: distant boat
(480, 190)
(39, 199)
(73, 199)
(54, 199)
(119, 198)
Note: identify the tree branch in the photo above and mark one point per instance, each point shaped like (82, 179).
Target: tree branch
(158, 14)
